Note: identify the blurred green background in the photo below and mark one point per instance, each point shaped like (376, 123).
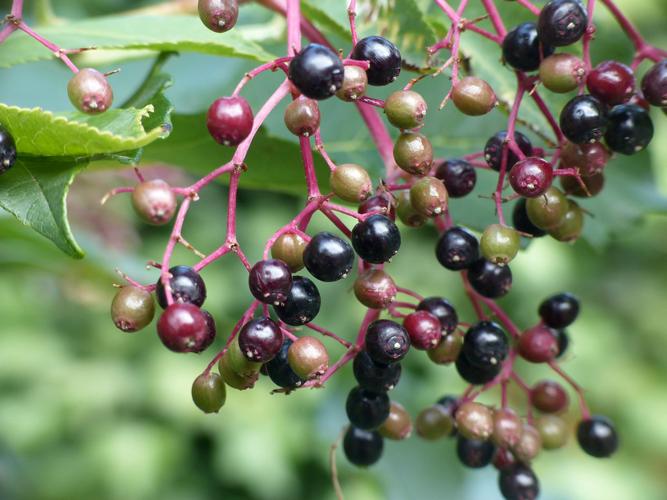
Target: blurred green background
(89, 413)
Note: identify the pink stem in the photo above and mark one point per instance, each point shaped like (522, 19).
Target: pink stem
(327, 333)
(528, 5)
(169, 250)
(585, 412)
(57, 51)
(352, 14)
(269, 66)
(495, 18)
(293, 26)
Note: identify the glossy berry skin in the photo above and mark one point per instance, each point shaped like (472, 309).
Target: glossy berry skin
(90, 92)
(594, 185)
(459, 177)
(424, 330)
(316, 71)
(260, 340)
(351, 182)
(518, 482)
(485, 345)
(376, 239)
(302, 116)
(583, 119)
(493, 150)
(433, 423)
(405, 109)
(413, 153)
(186, 286)
(654, 84)
(183, 328)
(560, 310)
(562, 22)
(597, 437)
(441, 309)
(589, 158)
(549, 397)
(398, 425)
(362, 448)
(270, 281)
(630, 129)
(383, 56)
(562, 73)
(489, 279)
(154, 201)
(308, 357)
(457, 249)
(289, 248)
(499, 244)
(302, 302)
(384, 204)
(522, 223)
(612, 82)
(448, 349)
(355, 83)
(507, 428)
(474, 420)
(406, 212)
(209, 392)
(571, 225)
(538, 345)
(563, 339)
(375, 289)
(279, 370)
(232, 378)
(531, 177)
(132, 309)
(7, 150)
(218, 15)
(229, 120)
(374, 376)
(474, 374)
(428, 196)
(521, 48)
(473, 96)
(366, 409)
(386, 341)
(547, 210)
(328, 257)
(474, 453)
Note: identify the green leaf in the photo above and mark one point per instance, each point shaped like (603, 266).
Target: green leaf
(35, 192)
(322, 20)
(160, 33)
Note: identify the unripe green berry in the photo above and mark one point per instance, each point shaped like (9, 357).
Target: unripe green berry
(233, 379)
(89, 91)
(405, 109)
(447, 351)
(529, 445)
(351, 182)
(241, 365)
(571, 225)
(429, 196)
(289, 248)
(473, 96)
(406, 212)
(413, 153)
(562, 72)
(355, 83)
(154, 201)
(507, 428)
(308, 357)
(132, 309)
(547, 210)
(499, 244)
(433, 423)
(398, 424)
(553, 431)
(375, 289)
(302, 116)
(474, 421)
(218, 15)
(208, 392)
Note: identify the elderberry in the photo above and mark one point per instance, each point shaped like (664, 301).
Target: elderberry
(383, 56)
(317, 71)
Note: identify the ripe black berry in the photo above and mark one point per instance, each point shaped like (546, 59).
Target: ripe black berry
(563, 340)
(384, 58)
(301, 304)
(366, 409)
(457, 249)
(327, 257)
(376, 239)
(260, 340)
(386, 341)
(374, 376)
(522, 223)
(522, 49)
(183, 328)
(270, 281)
(630, 129)
(654, 84)
(218, 15)
(317, 71)
(7, 150)
(518, 482)
(597, 437)
(560, 310)
(362, 448)
(186, 286)
(441, 309)
(89, 91)
(229, 120)
(489, 279)
(132, 309)
(459, 177)
(279, 370)
(474, 374)
(562, 22)
(474, 453)
(531, 177)
(583, 119)
(612, 82)
(485, 345)
(493, 150)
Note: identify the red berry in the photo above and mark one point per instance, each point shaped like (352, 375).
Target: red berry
(531, 177)
(218, 15)
(549, 397)
(183, 328)
(612, 82)
(424, 329)
(538, 345)
(229, 120)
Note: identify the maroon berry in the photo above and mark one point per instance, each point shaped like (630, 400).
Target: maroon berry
(654, 84)
(459, 177)
(531, 177)
(503, 459)
(538, 345)
(612, 82)
(154, 201)
(260, 340)
(218, 15)
(90, 92)
(270, 281)
(549, 397)
(589, 158)
(212, 330)
(302, 116)
(183, 328)
(424, 329)
(381, 203)
(375, 289)
(594, 185)
(229, 120)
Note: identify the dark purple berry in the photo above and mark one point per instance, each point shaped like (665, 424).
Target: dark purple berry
(183, 328)
(457, 249)
(459, 177)
(384, 58)
(549, 397)
(327, 257)
(654, 84)
(229, 120)
(474, 374)
(485, 345)
(218, 15)
(362, 448)
(270, 281)
(474, 453)
(374, 376)
(7, 150)
(317, 71)
(522, 49)
(563, 340)
(583, 119)
(589, 158)
(186, 286)
(279, 370)
(212, 330)
(384, 204)
(518, 482)
(260, 340)
(424, 330)
(490, 280)
(493, 150)
(597, 437)
(376, 239)
(386, 341)
(562, 22)
(531, 177)
(612, 82)
(90, 92)
(441, 309)
(366, 409)
(630, 129)
(522, 223)
(302, 303)
(560, 310)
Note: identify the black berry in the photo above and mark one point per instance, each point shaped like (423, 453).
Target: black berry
(186, 286)
(474, 453)
(260, 340)
(374, 376)
(597, 437)
(562, 22)
(459, 177)
(630, 129)
(489, 279)
(302, 303)
(441, 309)
(279, 370)
(485, 345)
(376, 239)
(327, 257)
(493, 150)
(317, 71)
(7, 150)
(560, 310)
(474, 374)
(522, 49)
(457, 249)
(367, 409)
(386, 341)
(384, 58)
(362, 448)
(583, 119)
(518, 482)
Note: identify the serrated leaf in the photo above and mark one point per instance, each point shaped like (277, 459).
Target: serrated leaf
(35, 192)
(159, 33)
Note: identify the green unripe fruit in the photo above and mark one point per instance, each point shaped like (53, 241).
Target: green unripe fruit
(375, 289)
(447, 350)
(308, 357)
(355, 83)
(428, 196)
(406, 212)
(529, 445)
(154, 201)
(473, 96)
(405, 109)
(474, 421)
(571, 225)
(413, 153)
(499, 244)
(218, 15)
(562, 73)
(547, 210)
(289, 248)
(239, 363)
(132, 309)
(433, 423)
(398, 424)
(90, 92)
(507, 428)
(302, 116)
(208, 392)
(553, 431)
(233, 379)
(351, 182)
